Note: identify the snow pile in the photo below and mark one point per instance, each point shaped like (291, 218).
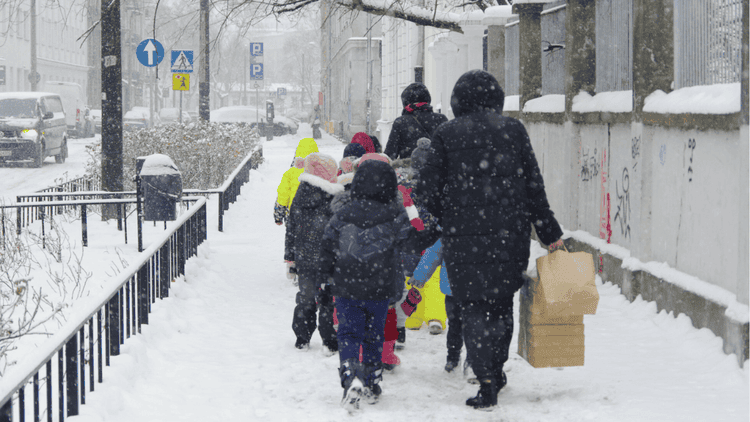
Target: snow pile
(499, 12)
(612, 102)
(702, 99)
(554, 103)
(158, 164)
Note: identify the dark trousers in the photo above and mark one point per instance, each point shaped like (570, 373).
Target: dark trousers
(361, 322)
(455, 339)
(312, 298)
(488, 329)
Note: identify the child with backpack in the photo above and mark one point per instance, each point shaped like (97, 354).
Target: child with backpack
(361, 257)
(307, 220)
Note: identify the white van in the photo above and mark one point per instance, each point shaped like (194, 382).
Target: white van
(79, 121)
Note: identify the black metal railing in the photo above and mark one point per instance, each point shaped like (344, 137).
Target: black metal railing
(82, 348)
(69, 196)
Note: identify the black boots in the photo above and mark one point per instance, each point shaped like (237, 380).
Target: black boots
(353, 387)
(487, 395)
(360, 382)
(373, 374)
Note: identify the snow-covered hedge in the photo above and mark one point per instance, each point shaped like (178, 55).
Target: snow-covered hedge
(206, 153)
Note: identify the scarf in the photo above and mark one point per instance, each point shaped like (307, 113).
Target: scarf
(411, 108)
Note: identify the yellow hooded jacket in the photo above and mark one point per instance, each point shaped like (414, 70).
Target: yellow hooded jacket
(290, 181)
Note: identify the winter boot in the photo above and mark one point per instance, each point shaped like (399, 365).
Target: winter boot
(353, 386)
(486, 398)
(302, 344)
(389, 359)
(373, 374)
(435, 326)
(450, 365)
(401, 338)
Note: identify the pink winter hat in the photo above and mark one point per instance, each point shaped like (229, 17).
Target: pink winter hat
(321, 165)
(347, 164)
(374, 156)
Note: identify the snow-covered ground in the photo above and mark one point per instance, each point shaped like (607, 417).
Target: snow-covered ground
(20, 178)
(221, 348)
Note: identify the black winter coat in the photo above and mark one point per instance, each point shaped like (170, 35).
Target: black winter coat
(483, 183)
(308, 217)
(407, 129)
(361, 248)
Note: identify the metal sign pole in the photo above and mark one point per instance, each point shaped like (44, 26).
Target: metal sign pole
(180, 107)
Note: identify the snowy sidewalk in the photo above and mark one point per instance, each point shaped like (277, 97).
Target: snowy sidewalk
(221, 348)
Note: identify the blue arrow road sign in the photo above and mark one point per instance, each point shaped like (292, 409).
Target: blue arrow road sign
(256, 71)
(256, 49)
(149, 52)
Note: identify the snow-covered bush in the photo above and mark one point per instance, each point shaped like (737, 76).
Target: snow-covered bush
(206, 153)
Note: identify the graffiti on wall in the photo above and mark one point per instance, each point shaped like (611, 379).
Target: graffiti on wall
(623, 203)
(605, 228)
(662, 154)
(589, 166)
(691, 149)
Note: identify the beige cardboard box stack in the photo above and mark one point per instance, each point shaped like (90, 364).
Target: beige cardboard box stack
(546, 341)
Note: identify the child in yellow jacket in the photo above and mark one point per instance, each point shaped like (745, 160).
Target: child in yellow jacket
(289, 182)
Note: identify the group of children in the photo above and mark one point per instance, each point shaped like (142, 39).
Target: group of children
(353, 235)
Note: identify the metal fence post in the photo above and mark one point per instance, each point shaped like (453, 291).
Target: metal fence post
(113, 324)
(71, 375)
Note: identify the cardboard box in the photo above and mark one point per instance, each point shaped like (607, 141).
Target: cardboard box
(546, 341)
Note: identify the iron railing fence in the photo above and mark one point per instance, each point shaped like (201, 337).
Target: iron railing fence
(614, 45)
(512, 59)
(69, 197)
(707, 42)
(82, 347)
(553, 50)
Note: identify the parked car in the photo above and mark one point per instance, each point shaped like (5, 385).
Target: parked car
(236, 114)
(169, 115)
(283, 125)
(32, 127)
(77, 113)
(96, 117)
(139, 118)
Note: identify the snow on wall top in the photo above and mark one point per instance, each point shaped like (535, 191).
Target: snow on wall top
(613, 102)
(735, 310)
(702, 99)
(499, 12)
(511, 103)
(554, 103)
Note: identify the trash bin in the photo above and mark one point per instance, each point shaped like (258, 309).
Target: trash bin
(161, 184)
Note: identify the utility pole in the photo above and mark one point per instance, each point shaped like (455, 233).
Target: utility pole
(111, 102)
(204, 88)
(34, 74)
(369, 72)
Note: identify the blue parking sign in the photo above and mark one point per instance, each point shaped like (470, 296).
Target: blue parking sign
(256, 49)
(256, 71)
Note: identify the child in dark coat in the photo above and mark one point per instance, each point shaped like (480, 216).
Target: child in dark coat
(360, 255)
(308, 217)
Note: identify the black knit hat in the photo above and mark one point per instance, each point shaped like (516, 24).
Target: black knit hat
(415, 93)
(354, 150)
(374, 180)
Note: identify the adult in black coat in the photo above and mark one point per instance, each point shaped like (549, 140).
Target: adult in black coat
(482, 181)
(416, 121)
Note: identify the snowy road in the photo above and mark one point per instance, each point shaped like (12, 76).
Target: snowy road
(19, 178)
(221, 348)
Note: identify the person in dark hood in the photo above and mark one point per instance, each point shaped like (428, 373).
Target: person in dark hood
(482, 181)
(416, 121)
(360, 254)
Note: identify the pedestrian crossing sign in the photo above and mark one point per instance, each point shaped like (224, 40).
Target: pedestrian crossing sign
(180, 82)
(182, 61)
